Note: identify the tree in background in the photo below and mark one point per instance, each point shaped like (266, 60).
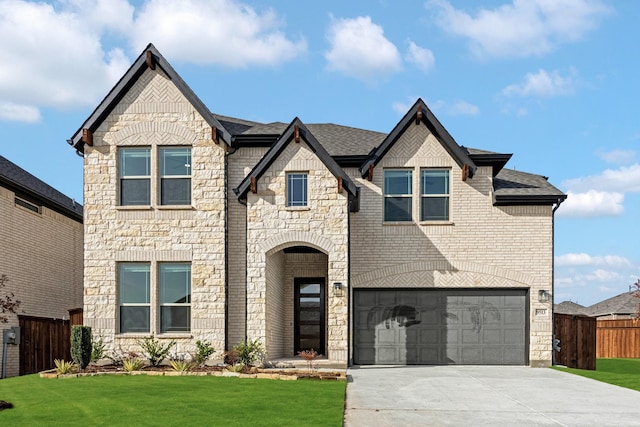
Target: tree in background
(8, 302)
(636, 293)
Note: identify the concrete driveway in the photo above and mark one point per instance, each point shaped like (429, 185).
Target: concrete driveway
(484, 395)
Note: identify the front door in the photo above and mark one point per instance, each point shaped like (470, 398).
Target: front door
(309, 315)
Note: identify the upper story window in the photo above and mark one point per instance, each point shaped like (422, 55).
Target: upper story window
(434, 195)
(175, 297)
(297, 189)
(135, 176)
(398, 189)
(175, 176)
(134, 281)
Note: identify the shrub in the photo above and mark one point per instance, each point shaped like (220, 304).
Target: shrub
(130, 364)
(181, 365)
(249, 352)
(154, 351)
(63, 367)
(97, 350)
(81, 345)
(205, 350)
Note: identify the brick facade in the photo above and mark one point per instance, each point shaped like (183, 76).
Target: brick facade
(42, 257)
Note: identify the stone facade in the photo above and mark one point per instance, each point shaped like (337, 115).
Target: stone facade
(42, 257)
(272, 227)
(246, 253)
(155, 113)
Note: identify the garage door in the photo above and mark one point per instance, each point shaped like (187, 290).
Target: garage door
(440, 327)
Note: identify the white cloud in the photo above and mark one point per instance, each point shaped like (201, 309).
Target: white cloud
(55, 57)
(358, 48)
(421, 57)
(600, 275)
(457, 108)
(618, 157)
(583, 259)
(522, 28)
(402, 107)
(543, 84)
(224, 32)
(592, 204)
(621, 180)
(19, 113)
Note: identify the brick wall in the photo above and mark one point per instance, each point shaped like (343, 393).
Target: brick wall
(41, 254)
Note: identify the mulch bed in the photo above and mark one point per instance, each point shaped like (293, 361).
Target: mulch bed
(246, 372)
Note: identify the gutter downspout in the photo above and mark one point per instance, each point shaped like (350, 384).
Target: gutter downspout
(226, 247)
(553, 276)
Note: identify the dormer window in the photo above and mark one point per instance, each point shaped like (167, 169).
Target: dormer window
(297, 189)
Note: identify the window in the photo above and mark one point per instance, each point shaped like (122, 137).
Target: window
(297, 189)
(175, 176)
(434, 191)
(398, 190)
(135, 301)
(135, 176)
(175, 297)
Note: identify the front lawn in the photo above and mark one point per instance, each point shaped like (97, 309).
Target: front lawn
(622, 372)
(157, 400)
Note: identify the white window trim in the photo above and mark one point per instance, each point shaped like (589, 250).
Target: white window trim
(385, 196)
(306, 191)
(425, 196)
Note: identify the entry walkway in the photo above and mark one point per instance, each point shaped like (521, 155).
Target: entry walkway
(484, 395)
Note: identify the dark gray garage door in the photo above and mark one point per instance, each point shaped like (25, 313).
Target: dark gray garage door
(440, 327)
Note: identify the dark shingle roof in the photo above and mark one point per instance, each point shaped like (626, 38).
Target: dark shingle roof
(18, 179)
(625, 303)
(511, 186)
(569, 307)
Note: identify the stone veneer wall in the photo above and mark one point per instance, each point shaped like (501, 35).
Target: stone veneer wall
(323, 225)
(155, 113)
(42, 257)
(482, 246)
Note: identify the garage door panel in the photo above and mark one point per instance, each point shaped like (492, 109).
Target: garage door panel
(444, 326)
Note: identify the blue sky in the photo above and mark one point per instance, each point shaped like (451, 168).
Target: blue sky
(555, 82)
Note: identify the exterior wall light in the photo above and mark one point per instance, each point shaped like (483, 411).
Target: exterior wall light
(543, 295)
(337, 287)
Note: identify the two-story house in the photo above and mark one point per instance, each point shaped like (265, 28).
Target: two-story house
(398, 248)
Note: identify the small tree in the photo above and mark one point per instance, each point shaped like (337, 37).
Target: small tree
(81, 345)
(8, 302)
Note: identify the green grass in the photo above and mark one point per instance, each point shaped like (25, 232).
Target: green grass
(162, 401)
(622, 372)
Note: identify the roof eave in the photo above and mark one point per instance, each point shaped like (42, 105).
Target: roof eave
(528, 200)
(434, 126)
(128, 80)
(497, 161)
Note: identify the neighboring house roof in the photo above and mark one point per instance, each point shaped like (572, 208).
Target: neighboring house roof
(24, 184)
(150, 57)
(287, 137)
(569, 307)
(520, 188)
(419, 112)
(625, 303)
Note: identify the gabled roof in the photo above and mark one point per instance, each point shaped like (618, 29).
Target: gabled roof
(128, 80)
(512, 187)
(22, 182)
(423, 114)
(569, 307)
(274, 152)
(625, 303)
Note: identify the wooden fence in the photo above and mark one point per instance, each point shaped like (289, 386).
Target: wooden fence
(577, 335)
(618, 338)
(42, 340)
